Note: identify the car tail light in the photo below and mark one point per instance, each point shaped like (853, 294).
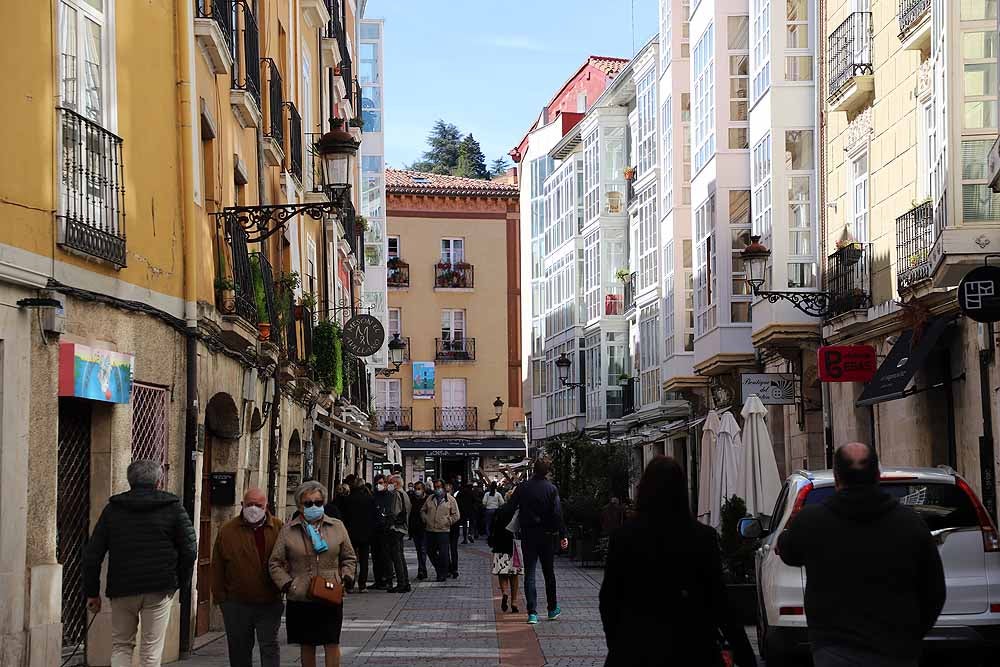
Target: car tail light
(896, 478)
(800, 502)
(991, 541)
(995, 608)
(792, 611)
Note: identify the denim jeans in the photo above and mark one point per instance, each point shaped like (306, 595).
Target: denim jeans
(539, 548)
(488, 519)
(843, 656)
(438, 546)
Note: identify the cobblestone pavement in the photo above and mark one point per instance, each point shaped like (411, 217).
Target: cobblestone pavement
(459, 624)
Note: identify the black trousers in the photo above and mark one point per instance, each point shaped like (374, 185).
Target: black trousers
(420, 544)
(398, 559)
(363, 551)
(380, 557)
(453, 539)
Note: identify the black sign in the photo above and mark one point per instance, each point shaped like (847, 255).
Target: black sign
(905, 358)
(222, 488)
(363, 335)
(979, 294)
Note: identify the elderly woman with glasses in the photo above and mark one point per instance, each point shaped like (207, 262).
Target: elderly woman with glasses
(312, 544)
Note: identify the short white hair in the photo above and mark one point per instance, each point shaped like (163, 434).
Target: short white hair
(144, 473)
(395, 479)
(309, 487)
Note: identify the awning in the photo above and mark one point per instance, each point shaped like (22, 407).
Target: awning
(464, 447)
(904, 360)
(354, 434)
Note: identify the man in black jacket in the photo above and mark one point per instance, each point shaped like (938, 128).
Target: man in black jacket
(359, 517)
(418, 532)
(874, 579)
(151, 550)
(541, 520)
(381, 534)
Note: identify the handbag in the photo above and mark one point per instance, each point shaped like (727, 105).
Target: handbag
(515, 524)
(516, 558)
(320, 588)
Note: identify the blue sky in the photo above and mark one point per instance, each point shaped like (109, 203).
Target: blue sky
(489, 65)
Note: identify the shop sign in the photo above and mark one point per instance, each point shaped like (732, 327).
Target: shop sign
(95, 374)
(979, 294)
(847, 363)
(363, 335)
(771, 388)
(423, 380)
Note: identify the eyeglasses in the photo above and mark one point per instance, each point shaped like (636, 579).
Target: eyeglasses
(313, 503)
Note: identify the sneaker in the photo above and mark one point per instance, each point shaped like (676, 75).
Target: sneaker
(399, 589)
(532, 619)
(555, 613)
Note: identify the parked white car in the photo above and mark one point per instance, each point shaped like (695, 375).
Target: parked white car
(967, 539)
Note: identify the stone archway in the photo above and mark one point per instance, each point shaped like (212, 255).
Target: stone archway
(293, 472)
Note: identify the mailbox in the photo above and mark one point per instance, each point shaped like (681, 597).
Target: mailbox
(222, 488)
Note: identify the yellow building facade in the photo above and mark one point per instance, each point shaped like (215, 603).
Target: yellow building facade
(454, 299)
(131, 311)
(909, 115)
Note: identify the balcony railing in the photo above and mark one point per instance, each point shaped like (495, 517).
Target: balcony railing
(398, 273)
(394, 419)
(346, 69)
(275, 127)
(630, 292)
(456, 419)
(92, 189)
(914, 238)
(267, 284)
(911, 13)
(244, 287)
(458, 275)
(294, 141)
(350, 222)
(246, 70)
(335, 28)
(300, 327)
(628, 398)
(849, 50)
(220, 11)
(849, 278)
(461, 349)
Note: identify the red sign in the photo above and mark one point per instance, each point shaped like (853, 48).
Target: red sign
(847, 363)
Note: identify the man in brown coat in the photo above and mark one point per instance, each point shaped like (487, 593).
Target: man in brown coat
(242, 585)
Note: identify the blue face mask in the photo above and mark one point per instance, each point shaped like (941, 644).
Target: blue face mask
(438, 492)
(312, 513)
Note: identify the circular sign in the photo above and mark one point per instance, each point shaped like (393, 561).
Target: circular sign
(363, 335)
(979, 294)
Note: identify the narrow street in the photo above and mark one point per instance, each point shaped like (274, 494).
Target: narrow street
(459, 623)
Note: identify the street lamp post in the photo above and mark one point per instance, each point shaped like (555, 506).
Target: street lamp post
(563, 364)
(755, 257)
(396, 348)
(498, 409)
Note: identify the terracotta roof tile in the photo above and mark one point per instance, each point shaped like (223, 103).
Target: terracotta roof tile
(400, 181)
(608, 65)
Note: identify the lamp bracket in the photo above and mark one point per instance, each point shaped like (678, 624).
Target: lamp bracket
(262, 222)
(814, 304)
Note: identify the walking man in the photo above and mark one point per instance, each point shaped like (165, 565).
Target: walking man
(359, 517)
(417, 530)
(440, 513)
(874, 579)
(454, 492)
(380, 535)
(398, 528)
(151, 550)
(541, 524)
(242, 585)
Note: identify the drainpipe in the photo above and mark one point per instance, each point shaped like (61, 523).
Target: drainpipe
(819, 40)
(184, 37)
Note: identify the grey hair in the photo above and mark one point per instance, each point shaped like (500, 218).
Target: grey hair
(144, 472)
(309, 487)
(395, 479)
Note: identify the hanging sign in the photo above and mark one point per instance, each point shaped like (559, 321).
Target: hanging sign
(771, 388)
(847, 363)
(363, 335)
(99, 375)
(979, 294)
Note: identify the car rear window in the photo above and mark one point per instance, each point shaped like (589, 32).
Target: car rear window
(940, 505)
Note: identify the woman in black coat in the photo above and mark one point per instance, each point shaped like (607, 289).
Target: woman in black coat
(663, 601)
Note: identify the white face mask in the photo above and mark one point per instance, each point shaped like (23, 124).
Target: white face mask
(253, 514)
(380, 487)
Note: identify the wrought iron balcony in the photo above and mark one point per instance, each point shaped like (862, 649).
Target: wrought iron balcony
(849, 51)
(849, 278)
(911, 13)
(461, 349)
(456, 419)
(275, 126)
(459, 275)
(294, 141)
(92, 189)
(398, 273)
(914, 238)
(394, 419)
(246, 52)
(335, 28)
(248, 278)
(220, 11)
(299, 323)
(259, 261)
(630, 292)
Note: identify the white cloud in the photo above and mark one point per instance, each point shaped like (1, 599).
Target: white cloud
(519, 42)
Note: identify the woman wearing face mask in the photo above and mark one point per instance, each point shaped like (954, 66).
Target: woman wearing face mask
(312, 544)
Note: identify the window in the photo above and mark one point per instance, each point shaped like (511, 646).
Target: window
(646, 114)
(540, 170)
(581, 102)
(665, 33)
(800, 168)
(739, 231)
(704, 99)
(591, 177)
(859, 189)
(761, 48)
(667, 123)
(705, 267)
(369, 63)
(688, 325)
(798, 59)
(669, 307)
(387, 395)
(613, 163)
(395, 322)
(648, 226)
(979, 203)
(649, 355)
(309, 279)
(561, 295)
(685, 28)
(394, 246)
(686, 150)
(85, 53)
(452, 325)
(592, 274)
(369, 30)
(562, 204)
(739, 81)
(452, 251)
(761, 181)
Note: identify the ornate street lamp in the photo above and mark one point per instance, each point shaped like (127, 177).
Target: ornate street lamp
(337, 150)
(755, 257)
(498, 408)
(396, 349)
(563, 364)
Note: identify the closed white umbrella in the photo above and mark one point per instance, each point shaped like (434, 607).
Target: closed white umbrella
(726, 479)
(761, 480)
(709, 434)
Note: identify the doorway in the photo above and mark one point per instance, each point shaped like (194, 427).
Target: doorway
(73, 521)
(203, 616)
(452, 467)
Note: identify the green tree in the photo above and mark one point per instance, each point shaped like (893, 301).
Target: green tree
(499, 167)
(471, 161)
(444, 143)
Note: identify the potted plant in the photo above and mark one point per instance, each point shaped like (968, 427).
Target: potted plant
(849, 251)
(263, 317)
(623, 275)
(358, 122)
(306, 301)
(629, 173)
(362, 223)
(462, 266)
(443, 266)
(227, 294)
(738, 562)
(394, 263)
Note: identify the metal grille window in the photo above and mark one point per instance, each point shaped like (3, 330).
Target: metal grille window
(149, 425)
(73, 520)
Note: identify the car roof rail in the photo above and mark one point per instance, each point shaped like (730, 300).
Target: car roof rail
(805, 473)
